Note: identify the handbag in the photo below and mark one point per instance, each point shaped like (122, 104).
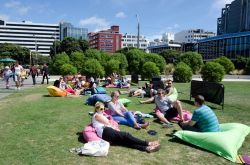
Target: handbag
(95, 148)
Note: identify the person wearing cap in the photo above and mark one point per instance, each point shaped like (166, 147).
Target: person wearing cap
(203, 119)
(6, 75)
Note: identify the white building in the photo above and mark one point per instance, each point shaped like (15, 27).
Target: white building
(192, 35)
(166, 42)
(129, 40)
(38, 37)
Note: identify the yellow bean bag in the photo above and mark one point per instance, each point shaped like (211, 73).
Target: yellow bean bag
(56, 92)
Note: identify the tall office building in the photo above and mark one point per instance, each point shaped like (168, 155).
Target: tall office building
(38, 37)
(68, 30)
(106, 40)
(233, 30)
(235, 17)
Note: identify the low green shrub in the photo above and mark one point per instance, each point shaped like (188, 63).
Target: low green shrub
(212, 72)
(182, 73)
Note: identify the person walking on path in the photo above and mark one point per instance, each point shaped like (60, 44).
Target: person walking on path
(45, 73)
(6, 75)
(33, 72)
(18, 70)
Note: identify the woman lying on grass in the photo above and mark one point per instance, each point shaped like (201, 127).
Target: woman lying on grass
(106, 131)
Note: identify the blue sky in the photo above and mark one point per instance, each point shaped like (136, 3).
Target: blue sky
(155, 16)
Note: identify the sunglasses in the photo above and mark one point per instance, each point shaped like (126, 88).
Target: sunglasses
(159, 93)
(102, 109)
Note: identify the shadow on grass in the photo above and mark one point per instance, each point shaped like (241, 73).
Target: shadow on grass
(188, 102)
(47, 96)
(179, 141)
(80, 137)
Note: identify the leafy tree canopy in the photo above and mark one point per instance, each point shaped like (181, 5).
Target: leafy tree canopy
(193, 60)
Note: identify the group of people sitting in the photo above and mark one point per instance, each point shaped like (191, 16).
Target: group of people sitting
(203, 119)
(76, 85)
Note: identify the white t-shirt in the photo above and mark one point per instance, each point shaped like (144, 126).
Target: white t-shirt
(163, 104)
(115, 107)
(98, 126)
(18, 69)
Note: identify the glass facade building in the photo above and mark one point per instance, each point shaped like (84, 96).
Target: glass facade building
(235, 17)
(68, 30)
(233, 38)
(229, 45)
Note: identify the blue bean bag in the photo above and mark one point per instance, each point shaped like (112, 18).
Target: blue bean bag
(100, 90)
(225, 143)
(104, 98)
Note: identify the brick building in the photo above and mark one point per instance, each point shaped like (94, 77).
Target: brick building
(106, 40)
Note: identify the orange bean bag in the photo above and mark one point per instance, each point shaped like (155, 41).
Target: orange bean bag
(56, 92)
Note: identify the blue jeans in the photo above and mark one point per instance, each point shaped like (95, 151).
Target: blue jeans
(128, 120)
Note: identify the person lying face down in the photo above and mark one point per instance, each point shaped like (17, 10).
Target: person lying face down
(107, 132)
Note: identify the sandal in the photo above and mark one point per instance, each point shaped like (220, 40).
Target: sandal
(145, 125)
(154, 148)
(154, 143)
(167, 125)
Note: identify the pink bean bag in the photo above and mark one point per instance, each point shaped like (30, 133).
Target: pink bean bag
(89, 133)
(186, 116)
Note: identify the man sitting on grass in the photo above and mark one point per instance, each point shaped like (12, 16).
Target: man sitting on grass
(203, 119)
(166, 108)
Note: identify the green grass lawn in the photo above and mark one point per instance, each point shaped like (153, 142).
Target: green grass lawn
(38, 129)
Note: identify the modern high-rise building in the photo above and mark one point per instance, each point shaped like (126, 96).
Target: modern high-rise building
(38, 37)
(68, 30)
(235, 17)
(129, 40)
(106, 40)
(233, 30)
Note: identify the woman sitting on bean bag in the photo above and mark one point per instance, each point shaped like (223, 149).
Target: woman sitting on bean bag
(121, 114)
(107, 132)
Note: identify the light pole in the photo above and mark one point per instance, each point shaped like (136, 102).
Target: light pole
(55, 43)
(138, 30)
(35, 46)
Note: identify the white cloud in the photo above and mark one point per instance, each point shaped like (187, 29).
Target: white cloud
(99, 23)
(170, 29)
(16, 5)
(219, 4)
(120, 15)
(4, 17)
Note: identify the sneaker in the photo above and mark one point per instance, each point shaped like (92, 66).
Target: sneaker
(167, 125)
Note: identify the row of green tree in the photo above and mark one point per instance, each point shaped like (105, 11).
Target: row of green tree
(71, 56)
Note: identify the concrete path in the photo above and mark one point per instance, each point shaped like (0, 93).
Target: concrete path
(28, 83)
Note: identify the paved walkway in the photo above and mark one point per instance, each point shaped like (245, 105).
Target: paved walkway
(28, 82)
